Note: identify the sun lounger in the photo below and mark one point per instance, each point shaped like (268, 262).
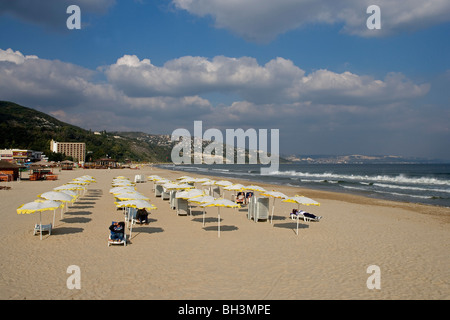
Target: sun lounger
(306, 218)
(45, 227)
(120, 242)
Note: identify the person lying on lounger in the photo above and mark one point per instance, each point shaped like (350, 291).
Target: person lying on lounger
(295, 212)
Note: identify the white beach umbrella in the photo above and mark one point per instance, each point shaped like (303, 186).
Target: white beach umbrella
(122, 189)
(209, 183)
(220, 203)
(135, 203)
(255, 188)
(131, 196)
(58, 196)
(192, 193)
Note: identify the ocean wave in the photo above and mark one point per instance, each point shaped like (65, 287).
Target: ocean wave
(383, 185)
(400, 179)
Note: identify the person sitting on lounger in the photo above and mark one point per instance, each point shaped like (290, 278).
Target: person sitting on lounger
(117, 231)
(248, 196)
(142, 216)
(240, 197)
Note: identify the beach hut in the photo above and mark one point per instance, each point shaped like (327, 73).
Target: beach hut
(8, 171)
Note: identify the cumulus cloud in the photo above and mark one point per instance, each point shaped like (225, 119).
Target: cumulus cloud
(263, 20)
(138, 95)
(279, 80)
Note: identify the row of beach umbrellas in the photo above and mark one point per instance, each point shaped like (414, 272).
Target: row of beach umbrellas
(198, 196)
(186, 189)
(57, 198)
(124, 191)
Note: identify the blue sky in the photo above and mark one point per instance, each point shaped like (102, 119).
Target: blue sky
(313, 70)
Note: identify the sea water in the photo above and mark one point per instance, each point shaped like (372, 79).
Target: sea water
(416, 183)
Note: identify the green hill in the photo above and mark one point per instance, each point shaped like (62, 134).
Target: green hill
(26, 128)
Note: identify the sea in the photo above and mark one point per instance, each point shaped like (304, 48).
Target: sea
(413, 183)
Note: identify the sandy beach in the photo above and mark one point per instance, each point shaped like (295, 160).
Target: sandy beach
(175, 257)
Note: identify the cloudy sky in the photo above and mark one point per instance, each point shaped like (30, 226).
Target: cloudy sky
(312, 69)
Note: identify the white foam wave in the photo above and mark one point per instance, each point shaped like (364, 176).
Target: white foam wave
(383, 185)
(400, 179)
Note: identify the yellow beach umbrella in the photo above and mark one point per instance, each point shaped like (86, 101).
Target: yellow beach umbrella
(301, 200)
(135, 203)
(275, 195)
(202, 200)
(33, 207)
(220, 203)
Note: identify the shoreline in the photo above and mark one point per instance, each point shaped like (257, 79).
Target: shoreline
(177, 258)
(428, 209)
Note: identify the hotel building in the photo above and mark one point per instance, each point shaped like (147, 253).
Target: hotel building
(76, 150)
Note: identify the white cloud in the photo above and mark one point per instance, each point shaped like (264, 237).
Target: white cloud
(139, 96)
(263, 20)
(278, 81)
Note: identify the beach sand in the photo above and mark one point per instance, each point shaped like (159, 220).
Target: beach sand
(175, 257)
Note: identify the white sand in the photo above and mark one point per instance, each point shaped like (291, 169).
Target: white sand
(175, 257)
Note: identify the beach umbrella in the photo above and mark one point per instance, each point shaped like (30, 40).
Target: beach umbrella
(58, 196)
(223, 183)
(301, 200)
(201, 200)
(153, 177)
(33, 207)
(184, 177)
(234, 187)
(192, 193)
(201, 180)
(135, 203)
(122, 183)
(88, 178)
(176, 186)
(255, 188)
(125, 189)
(275, 195)
(189, 194)
(209, 183)
(131, 196)
(70, 193)
(68, 186)
(220, 203)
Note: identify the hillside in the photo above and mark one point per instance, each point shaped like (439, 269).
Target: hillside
(26, 128)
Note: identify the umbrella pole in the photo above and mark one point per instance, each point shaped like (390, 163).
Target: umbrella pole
(203, 216)
(40, 225)
(54, 212)
(297, 224)
(218, 220)
(273, 207)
